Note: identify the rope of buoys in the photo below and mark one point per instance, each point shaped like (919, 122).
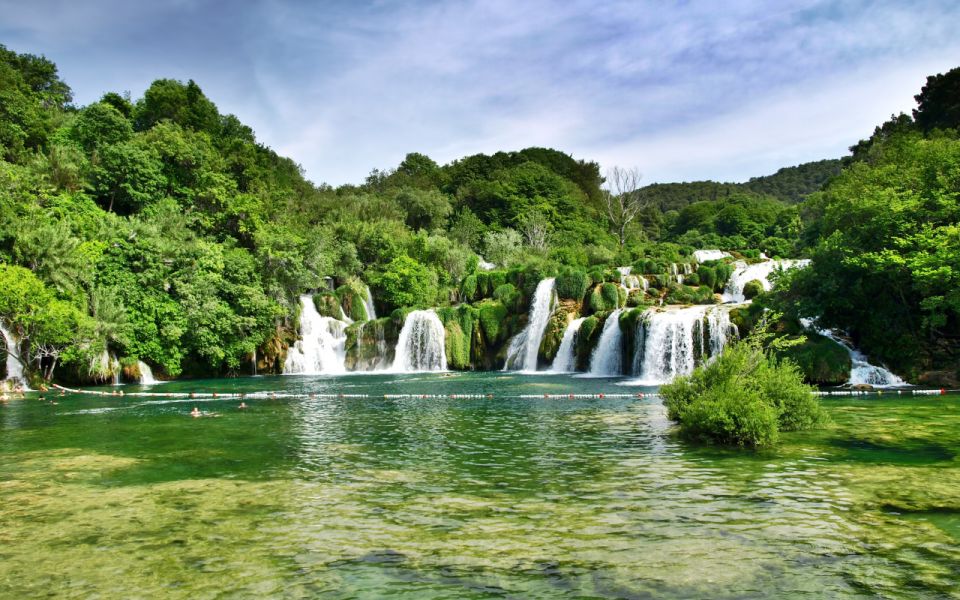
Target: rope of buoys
(273, 395)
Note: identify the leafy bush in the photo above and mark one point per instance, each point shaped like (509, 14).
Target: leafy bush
(572, 286)
(707, 276)
(508, 295)
(492, 316)
(745, 397)
(406, 282)
(468, 288)
(752, 289)
(586, 340)
(611, 295)
(692, 280)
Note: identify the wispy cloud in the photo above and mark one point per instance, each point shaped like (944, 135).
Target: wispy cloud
(684, 90)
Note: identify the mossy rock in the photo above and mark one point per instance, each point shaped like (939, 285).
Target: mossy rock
(468, 288)
(364, 349)
(587, 339)
(553, 334)
(621, 297)
(636, 297)
(492, 316)
(328, 305)
(752, 289)
(822, 361)
(595, 300)
(352, 299)
(457, 347)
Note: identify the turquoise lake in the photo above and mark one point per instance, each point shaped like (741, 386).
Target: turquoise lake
(500, 496)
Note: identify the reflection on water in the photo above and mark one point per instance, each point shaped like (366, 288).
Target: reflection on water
(456, 498)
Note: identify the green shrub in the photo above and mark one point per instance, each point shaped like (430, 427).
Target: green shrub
(572, 286)
(497, 278)
(744, 398)
(483, 285)
(707, 276)
(468, 289)
(504, 292)
(492, 316)
(621, 296)
(692, 280)
(752, 289)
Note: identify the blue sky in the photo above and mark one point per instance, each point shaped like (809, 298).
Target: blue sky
(682, 90)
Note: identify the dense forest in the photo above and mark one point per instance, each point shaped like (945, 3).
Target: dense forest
(157, 229)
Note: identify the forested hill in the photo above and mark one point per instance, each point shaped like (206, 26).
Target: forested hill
(790, 185)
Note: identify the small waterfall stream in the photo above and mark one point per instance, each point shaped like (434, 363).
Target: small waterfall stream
(421, 346)
(744, 273)
(861, 371)
(525, 346)
(566, 359)
(14, 366)
(146, 374)
(607, 358)
(368, 304)
(320, 349)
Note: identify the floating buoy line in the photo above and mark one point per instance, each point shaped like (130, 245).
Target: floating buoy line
(558, 396)
(287, 395)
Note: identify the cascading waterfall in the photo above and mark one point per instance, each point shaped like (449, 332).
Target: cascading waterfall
(627, 280)
(320, 349)
(14, 366)
(421, 346)
(744, 273)
(607, 358)
(673, 342)
(368, 304)
(146, 374)
(861, 371)
(524, 347)
(566, 359)
(704, 255)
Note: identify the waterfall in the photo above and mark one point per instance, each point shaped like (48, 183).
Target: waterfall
(253, 363)
(607, 358)
(14, 366)
(861, 371)
(566, 359)
(368, 304)
(674, 341)
(628, 281)
(320, 349)
(524, 347)
(146, 374)
(115, 368)
(744, 273)
(705, 255)
(421, 346)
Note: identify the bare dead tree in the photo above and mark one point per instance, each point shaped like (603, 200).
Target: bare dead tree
(536, 230)
(623, 199)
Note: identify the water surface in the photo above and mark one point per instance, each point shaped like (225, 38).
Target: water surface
(499, 497)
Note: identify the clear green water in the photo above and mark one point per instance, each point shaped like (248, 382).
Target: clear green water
(487, 498)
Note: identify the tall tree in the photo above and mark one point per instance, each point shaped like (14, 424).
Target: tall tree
(623, 199)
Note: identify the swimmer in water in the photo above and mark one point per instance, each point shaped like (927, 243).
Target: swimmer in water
(195, 412)
(243, 405)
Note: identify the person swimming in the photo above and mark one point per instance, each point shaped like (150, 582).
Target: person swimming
(195, 412)
(243, 405)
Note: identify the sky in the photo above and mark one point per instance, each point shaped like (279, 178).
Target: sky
(682, 90)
